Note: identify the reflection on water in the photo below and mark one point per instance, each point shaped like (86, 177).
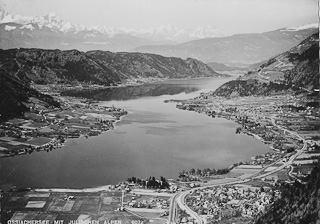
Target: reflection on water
(132, 92)
(154, 139)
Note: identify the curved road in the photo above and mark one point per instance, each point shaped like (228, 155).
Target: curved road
(179, 198)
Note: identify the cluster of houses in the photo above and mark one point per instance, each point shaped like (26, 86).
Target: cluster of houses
(44, 129)
(266, 158)
(150, 202)
(230, 201)
(17, 138)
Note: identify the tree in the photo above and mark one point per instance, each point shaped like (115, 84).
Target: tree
(163, 183)
(207, 171)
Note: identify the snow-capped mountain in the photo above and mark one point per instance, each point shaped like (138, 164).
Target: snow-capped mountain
(163, 33)
(303, 27)
(169, 32)
(51, 32)
(51, 21)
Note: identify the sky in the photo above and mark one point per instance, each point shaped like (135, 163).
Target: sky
(228, 16)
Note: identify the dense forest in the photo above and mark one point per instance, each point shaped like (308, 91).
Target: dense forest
(299, 202)
(251, 87)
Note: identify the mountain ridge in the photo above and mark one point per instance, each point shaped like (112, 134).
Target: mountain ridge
(21, 68)
(296, 69)
(166, 31)
(51, 32)
(15, 97)
(236, 50)
(98, 35)
(99, 67)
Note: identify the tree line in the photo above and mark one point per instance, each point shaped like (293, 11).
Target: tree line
(203, 172)
(150, 182)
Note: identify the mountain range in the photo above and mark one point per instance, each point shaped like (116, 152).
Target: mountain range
(224, 68)
(51, 32)
(96, 67)
(236, 50)
(20, 68)
(203, 43)
(296, 69)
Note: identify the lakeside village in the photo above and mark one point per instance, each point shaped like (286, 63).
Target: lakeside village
(44, 129)
(278, 121)
(291, 130)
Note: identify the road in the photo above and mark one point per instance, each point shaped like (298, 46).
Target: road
(179, 198)
(172, 209)
(292, 158)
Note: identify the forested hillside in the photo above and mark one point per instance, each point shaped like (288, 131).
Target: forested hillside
(96, 67)
(15, 95)
(299, 203)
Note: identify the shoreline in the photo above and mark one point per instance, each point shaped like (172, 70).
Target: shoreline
(123, 85)
(97, 112)
(215, 107)
(75, 190)
(210, 180)
(94, 188)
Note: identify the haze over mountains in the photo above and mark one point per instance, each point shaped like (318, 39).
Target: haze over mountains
(239, 49)
(297, 68)
(204, 43)
(54, 33)
(21, 66)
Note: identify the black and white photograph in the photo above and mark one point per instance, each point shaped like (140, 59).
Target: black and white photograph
(159, 112)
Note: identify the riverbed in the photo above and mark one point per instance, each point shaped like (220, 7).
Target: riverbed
(154, 139)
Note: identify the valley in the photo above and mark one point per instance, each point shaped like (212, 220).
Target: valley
(118, 125)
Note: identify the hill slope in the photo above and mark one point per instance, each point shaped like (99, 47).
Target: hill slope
(15, 96)
(222, 67)
(237, 49)
(298, 68)
(106, 68)
(139, 65)
(299, 203)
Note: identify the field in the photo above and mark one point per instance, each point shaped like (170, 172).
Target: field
(15, 144)
(32, 205)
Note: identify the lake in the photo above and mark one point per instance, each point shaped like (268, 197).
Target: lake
(154, 139)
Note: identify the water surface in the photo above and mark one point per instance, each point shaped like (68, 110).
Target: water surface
(154, 139)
